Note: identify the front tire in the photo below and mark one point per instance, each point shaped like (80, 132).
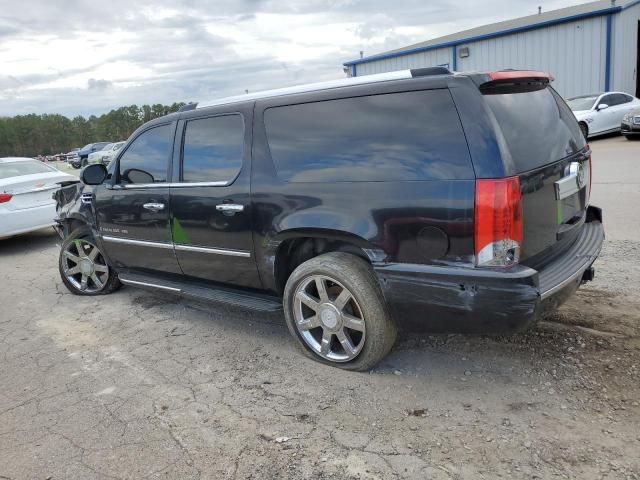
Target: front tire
(83, 268)
(335, 310)
(585, 130)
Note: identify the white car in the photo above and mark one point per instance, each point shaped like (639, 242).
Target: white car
(106, 154)
(602, 113)
(26, 189)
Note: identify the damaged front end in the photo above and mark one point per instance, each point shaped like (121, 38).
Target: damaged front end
(73, 206)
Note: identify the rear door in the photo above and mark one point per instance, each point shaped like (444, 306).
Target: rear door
(544, 147)
(211, 201)
(132, 212)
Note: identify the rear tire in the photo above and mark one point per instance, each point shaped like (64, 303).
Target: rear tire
(335, 310)
(585, 130)
(83, 268)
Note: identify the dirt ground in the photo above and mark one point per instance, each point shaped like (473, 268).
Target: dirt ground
(136, 385)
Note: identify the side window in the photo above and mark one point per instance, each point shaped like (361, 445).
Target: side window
(146, 159)
(212, 149)
(606, 100)
(389, 137)
(621, 99)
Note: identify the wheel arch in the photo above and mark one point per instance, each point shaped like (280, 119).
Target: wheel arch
(294, 247)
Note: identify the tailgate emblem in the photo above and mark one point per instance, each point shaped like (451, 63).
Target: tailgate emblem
(39, 185)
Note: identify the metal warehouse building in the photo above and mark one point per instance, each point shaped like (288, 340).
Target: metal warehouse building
(588, 48)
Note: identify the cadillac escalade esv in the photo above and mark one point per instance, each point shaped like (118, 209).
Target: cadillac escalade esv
(420, 199)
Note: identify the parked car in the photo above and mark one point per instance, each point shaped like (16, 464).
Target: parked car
(83, 153)
(73, 154)
(421, 200)
(105, 155)
(630, 125)
(26, 186)
(602, 113)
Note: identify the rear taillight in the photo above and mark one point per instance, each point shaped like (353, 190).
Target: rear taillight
(5, 197)
(498, 222)
(590, 177)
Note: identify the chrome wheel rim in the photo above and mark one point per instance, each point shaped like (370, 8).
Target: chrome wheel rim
(329, 319)
(84, 266)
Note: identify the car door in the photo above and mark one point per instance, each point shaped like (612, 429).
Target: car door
(132, 208)
(211, 201)
(603, 119)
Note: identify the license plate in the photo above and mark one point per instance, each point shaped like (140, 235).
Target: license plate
(636, 120)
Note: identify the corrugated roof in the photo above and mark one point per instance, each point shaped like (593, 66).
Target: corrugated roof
(503, 28)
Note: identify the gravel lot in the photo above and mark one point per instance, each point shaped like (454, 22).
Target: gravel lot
(135, 385)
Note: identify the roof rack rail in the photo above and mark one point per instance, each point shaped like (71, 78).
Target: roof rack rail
(428, 71)
(188, 106)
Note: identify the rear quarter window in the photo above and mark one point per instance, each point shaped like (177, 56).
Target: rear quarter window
(538, 127)
(389, 137)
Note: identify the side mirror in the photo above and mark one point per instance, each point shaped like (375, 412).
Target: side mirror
(602, 106)
(94, 174)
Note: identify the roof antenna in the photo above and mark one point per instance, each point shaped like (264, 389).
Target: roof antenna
(361, 53)
(540, 10)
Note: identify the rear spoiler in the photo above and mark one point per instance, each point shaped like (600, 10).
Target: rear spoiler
(511, 81)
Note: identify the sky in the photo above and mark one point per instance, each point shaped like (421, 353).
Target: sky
(85, 57)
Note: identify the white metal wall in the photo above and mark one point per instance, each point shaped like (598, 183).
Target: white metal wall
(440, 56)
(625, 50)
(575, 53)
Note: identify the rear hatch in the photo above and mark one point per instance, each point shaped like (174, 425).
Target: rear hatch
(543, 146)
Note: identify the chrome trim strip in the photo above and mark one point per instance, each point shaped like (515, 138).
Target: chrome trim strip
(217, 251)
(567, 186)
(311, 87)
(153, 285)
(142, 243)
(132, 186)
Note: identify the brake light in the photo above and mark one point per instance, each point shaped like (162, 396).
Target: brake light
(498, 222)
(511, 75)
(5, 197)
(590, 176)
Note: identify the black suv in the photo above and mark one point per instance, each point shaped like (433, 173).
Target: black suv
(419, 199)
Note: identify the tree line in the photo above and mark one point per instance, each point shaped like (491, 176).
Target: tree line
(48, 134)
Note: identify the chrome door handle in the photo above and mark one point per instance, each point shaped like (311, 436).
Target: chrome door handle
(230, 207)
(154, 207)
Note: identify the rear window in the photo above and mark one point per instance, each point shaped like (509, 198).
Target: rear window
(390, 137)
(538, 126)
(17, 169)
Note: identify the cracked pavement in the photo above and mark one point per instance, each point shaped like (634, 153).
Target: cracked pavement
(139, 385)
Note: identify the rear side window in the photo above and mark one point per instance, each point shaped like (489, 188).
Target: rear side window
(147, 158)
(390, 137)
(539, 128)
(212, 149)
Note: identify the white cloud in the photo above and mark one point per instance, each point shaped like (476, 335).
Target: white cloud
(86, 57)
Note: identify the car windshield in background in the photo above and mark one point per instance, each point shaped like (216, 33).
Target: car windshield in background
(581, 103)
(17, 169)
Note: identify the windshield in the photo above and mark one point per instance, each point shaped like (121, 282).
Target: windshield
(107, 146)
(581, 103)
(17, 169)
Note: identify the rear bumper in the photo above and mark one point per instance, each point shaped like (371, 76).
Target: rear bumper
(462, 299)
(15, 222)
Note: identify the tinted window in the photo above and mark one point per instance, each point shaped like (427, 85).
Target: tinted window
(607, 100)
(213, 149)
(145, 161)
(400, 136)
(619, 99)
(17, 169)
(539, 128)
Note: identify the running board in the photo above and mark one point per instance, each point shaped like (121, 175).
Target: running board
(229, 296)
